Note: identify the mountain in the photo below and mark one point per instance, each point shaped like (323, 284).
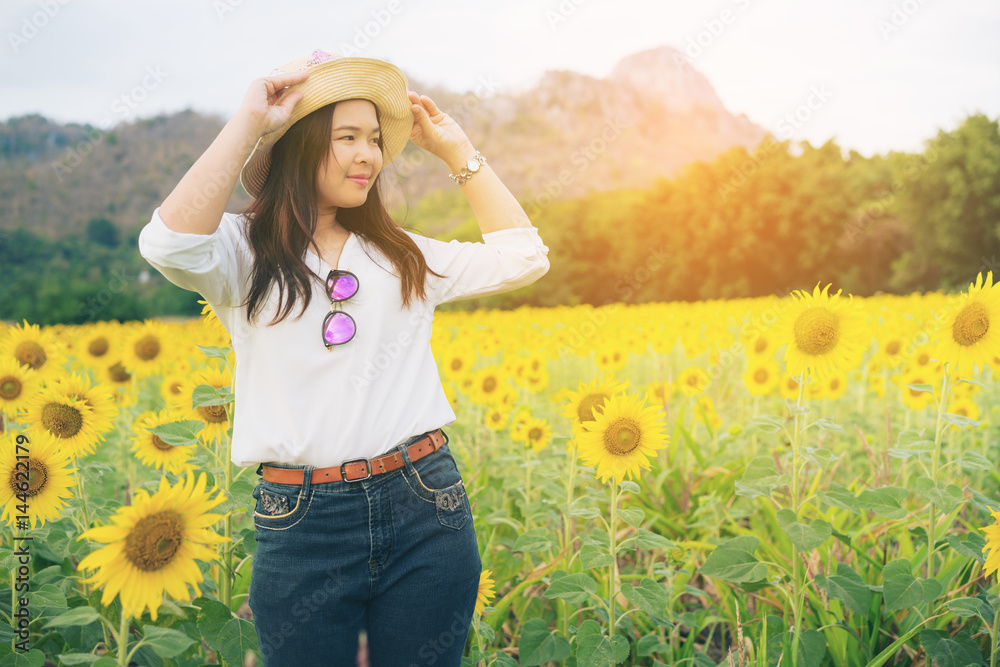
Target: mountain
(568, 135)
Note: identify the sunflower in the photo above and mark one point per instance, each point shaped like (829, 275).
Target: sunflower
(965, 337)
(98, 345)
(610, 357)
(537, 433)
(152, 451)
(486, 592)
(71, 421)
(488, 386)
(215, 417)
(451, 394)
(38, 350)
(495, 419)
(49, 476)
(152, 545)
(172, 388)
(517, 425)
(457, 360)
(789, 386)
(536, 381)
(621, 438)
(100, 398)
(913, 398)
(965, 407)
(758, 343)
(17, 384)
(145, 348)
(822, 333)
(693, 381)
(217, 334)
(659, 393)
(705, 410)
(762, 375)
(120, 380)
(992, 544)
(587, 402)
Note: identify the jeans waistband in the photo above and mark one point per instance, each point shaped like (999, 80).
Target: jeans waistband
(275, 464)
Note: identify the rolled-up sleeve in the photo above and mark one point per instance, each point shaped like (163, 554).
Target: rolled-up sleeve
(506, 260)
(203, 263)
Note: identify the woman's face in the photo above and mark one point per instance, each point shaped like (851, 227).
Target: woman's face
(354, 152)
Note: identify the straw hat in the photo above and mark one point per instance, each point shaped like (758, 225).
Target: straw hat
(333, 78)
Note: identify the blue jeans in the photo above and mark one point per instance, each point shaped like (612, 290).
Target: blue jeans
(394, 555)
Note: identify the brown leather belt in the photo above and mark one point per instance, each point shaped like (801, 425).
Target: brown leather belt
(362, 468)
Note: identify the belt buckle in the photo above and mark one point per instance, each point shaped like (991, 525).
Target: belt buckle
(343, 474)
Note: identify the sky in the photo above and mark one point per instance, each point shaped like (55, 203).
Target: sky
(890, 73)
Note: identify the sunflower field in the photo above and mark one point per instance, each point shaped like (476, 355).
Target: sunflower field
(805, 480)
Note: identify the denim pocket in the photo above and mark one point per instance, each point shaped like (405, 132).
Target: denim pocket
(437, 480)
(279, 506)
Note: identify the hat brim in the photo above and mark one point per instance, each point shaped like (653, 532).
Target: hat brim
(343, 78)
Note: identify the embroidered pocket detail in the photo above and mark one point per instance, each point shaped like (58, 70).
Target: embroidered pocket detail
(451, 506)
(273, 504)
(449, 500)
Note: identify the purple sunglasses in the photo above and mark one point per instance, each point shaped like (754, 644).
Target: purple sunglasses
(339, 327)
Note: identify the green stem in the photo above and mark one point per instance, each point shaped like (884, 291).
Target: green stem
(614, 558)
(567, 529)
(123, 641)
(993, 638)
(797, 588)
(942, 404)
(527, 485)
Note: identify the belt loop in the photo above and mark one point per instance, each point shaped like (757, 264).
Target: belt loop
(307, 475)
(404, 448)
(260, 469)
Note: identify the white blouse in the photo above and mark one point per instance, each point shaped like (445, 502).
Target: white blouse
(295, 401)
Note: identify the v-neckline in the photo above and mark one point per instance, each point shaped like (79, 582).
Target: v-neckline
(343, 250)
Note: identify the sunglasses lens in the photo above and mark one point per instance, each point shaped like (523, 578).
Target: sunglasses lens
(338, 328)
(342, 287)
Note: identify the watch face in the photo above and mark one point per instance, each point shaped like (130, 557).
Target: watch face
(473, 164)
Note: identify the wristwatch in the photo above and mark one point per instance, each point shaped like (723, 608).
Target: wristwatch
(471, 167)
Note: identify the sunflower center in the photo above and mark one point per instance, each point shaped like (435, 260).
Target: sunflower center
(119, 374)
(816, 331)
(61, 420)
(893, 347)
(159, 444)
(591, 404)
(621, 437)
(30, 354)
(154, 540)
(535, 434)
(38, 474)
(10, 388)
(835, 385)
(760, 345)
(489, 384)
(456, 364)
(147, 348)
(971, 324)
(760, 375)
(98, 347)
(215, 414)
(692, 380)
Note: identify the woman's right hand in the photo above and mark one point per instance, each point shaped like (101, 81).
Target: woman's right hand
(259, 106)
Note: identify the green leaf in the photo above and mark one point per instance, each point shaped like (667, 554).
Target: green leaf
(848, 587)
(767, 424)
(958, 420)
(31, 658)
(902, 590)
(82, 659)
(594, 648)
(225, 633)
(592, 556)
(911, 443)
(540, 645)
(633, 516)
(885, 501)
(970, 544)
(922, 387)
(206, 395)
(534, 540)
(804, 537)
(628, 486)
(575, 588)
(944, 497)
(214, 351)
(75, 616)
(47, 596)
(760, 477)
(948, 651)
(976, 461)
(794, 408)
(828, 425)
(840, 496)
(178, 433)
(812, 647)
(645, 539)
(650, 597)
(965, 607)
(166, 642)
(818, 457)
(734, 561)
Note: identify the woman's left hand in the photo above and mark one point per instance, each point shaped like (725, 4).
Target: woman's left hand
(433, 130)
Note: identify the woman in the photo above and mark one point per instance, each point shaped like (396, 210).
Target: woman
(362, 519)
